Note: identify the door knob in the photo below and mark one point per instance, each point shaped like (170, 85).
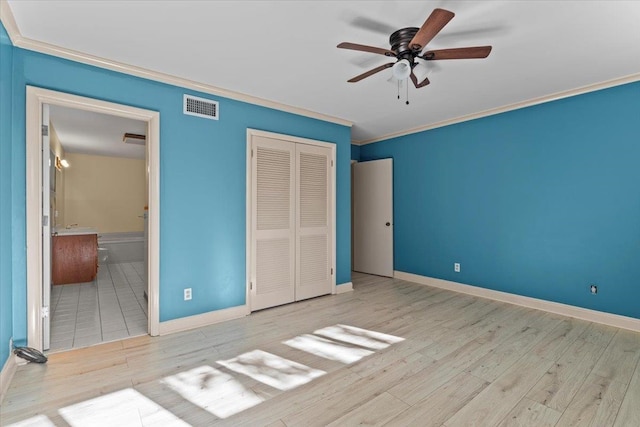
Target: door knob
(388, 224)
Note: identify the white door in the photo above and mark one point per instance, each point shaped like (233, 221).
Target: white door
(272, 223)
(47, 176)
(313, 221)
(291, 202)
(373, 217)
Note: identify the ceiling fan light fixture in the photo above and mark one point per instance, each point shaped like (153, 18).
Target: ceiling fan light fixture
(401, 69)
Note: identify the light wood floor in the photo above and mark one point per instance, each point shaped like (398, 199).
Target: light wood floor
(405, 354)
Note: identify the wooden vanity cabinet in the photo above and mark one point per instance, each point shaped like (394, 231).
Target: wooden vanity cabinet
(74, 258)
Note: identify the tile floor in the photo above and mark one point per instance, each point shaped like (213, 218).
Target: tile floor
(112, 307)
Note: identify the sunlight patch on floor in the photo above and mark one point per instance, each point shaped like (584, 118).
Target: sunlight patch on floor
(328, 349)
(37, 421)
(362, 337)
(272, 370)
(220, 393)
(122, 408)
(212, 390)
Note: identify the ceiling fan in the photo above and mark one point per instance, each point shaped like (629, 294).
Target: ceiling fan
(407, 45)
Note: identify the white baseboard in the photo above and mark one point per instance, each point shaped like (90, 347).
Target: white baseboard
(205, 319)
(344, 287)
(616, 320)
(8, 370)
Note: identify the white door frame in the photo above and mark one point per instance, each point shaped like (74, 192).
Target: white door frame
(332, 200)
(36, 97)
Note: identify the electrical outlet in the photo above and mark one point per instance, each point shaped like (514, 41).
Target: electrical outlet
(456, 267)
(187, 294)
(593, 289)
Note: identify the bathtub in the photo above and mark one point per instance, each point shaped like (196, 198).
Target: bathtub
(123, 247)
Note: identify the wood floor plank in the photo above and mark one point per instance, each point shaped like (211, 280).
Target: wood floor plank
(619, 361)
(285, 404)
(629, 414)
(443, 403)
(491, 405)
(376, 412)
(332, 407)
(599, 334)
(596, 403)
(560, 338)
(423, 383)
(528, 413)
(457, 359)
(494, 363)
(557, 388)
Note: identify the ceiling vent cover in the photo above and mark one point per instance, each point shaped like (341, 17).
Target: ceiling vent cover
(201, 107)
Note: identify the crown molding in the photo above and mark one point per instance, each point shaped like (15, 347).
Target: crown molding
(9, 22)
(22, 42)
(516, 106)
(6, 16)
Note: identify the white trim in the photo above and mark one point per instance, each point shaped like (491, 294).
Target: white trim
(333, 209)
(9, 22)
(25, 43)
(34, 100)
(344, 288)
(616, 320)
(498, 110)
(7, 373)
(205, 319)
(248, 234)
(20, 41)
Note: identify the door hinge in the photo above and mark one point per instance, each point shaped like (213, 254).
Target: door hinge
(45, 312)
(332, 271)
(45, 130)
(331, 163)
(252, 153)
(250, 286)
(45, 220)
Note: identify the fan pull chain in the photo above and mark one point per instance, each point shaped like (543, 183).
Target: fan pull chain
(398, 89)
(407, 93)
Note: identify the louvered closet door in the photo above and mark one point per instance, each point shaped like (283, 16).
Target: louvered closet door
(273, 223)
(313, 221)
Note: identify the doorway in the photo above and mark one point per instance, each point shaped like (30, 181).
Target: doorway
(98, 201)
(41, 214)
(372, 210)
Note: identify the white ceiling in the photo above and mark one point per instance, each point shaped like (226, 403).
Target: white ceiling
(285, 51)
(87, 132)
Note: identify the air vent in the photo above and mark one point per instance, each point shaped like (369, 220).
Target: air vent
(134, 138)
(201, 107)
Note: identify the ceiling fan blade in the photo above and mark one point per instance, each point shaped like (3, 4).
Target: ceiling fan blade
(373, 25)
(457, 53)
(363, 48)
(370, 72)
(431, 27)
(423, 83)
(414, 79)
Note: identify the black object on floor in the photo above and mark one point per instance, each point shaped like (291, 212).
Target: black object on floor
(30, 354)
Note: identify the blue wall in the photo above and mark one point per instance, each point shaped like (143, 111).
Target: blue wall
(541, 201)
(355, 152)
(202, 182)
(6, 316)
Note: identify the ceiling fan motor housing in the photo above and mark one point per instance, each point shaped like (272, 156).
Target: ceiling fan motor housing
(399, 42)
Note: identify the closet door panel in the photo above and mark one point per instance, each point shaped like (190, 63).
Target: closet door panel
(273, 223)
(313, 221)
